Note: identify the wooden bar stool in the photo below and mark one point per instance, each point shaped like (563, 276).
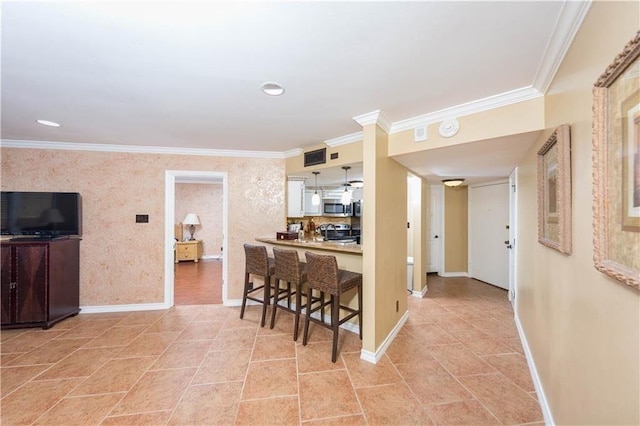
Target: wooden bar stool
(323, 275)
(259, 264)
(293, 272)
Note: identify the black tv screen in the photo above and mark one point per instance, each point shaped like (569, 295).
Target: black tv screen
(47, 214)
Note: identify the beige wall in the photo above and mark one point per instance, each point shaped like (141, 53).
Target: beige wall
(456, 235)
(205, 200)
(384, 256)
(347, 154)
(122, 262)
(522, 117)
(583, 328)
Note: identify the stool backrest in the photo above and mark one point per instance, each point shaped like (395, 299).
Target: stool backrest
(287, 265)
(322, 272)
(256, 260)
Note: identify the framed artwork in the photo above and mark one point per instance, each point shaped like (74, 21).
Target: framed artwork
(616, 167)
(554, 191)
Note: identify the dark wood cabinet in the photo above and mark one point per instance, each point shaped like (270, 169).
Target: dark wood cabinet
(40, 282)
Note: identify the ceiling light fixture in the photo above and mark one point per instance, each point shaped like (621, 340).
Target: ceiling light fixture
(453, 182)
(48, 123)
(345, 199)
(272, 88)
(315, 199)
(356, 183)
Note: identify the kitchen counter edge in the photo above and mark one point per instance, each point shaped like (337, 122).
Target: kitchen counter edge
(313, 245)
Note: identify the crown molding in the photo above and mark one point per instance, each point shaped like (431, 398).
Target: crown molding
(473, 107)
(565, 29)
(293, 152)
(72, 146)
(374, 117)
(344, 140)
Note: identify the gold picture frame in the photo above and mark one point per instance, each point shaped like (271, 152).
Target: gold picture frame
(554, 191)
(616, 167)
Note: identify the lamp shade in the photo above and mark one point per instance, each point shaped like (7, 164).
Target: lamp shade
(315, 199)
(191, 219)
(345, 199)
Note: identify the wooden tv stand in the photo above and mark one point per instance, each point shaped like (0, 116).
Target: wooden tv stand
(40, 281)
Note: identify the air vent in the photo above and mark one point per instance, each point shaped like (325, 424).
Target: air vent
(313, 158)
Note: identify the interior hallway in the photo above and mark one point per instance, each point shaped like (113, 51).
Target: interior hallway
(458, 360)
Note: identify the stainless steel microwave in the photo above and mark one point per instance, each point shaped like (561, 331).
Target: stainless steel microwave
(335, 208)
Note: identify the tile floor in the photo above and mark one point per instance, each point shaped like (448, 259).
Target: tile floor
(458, 360)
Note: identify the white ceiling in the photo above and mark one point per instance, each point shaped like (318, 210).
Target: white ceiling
(188, 74)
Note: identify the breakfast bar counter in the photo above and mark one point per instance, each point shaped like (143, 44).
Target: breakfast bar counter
(348, 255)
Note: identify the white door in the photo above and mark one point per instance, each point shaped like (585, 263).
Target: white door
(436, 205)
(513, 228)
(489, 233)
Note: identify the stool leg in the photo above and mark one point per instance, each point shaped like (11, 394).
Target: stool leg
(298, 311)
(360, 310)
(275, 303)
(335, 324)
(306, 319)
(244, 294)
(322, 304)
(267, 297)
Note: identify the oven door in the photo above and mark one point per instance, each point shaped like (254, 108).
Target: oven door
(335, 208)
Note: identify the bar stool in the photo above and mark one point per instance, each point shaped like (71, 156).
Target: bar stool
(292, 271)
(323, 274)
(257, 263)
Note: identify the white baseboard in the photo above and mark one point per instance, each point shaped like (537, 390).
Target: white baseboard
(420, 294)
(374, 357)
(537, 384)
(212, 256)
(453, 274)
(123, 308)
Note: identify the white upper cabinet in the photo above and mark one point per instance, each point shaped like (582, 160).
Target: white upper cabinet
(295, 198)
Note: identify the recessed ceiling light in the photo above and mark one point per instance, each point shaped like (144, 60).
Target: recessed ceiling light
(48, 123)
(272, 89)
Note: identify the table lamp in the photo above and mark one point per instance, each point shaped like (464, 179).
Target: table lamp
(191, 219)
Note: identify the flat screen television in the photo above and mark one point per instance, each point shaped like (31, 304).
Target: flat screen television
(41, 214)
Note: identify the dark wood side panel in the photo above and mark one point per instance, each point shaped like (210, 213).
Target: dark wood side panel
(31, 283)
(64, 278)
(5, 294)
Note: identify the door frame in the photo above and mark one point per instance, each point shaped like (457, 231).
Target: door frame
(513, 232)
(190, 176)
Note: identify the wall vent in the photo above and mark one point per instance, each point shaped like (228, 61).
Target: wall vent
(312, 158)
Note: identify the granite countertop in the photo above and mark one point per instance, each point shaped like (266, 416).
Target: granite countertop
(351, 248)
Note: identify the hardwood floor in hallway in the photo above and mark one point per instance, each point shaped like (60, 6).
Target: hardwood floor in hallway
(457, 361)
(198, 283)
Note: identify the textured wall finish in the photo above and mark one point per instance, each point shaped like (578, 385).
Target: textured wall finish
(122, 262)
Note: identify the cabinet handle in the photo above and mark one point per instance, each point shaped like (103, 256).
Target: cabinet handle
(13, 285)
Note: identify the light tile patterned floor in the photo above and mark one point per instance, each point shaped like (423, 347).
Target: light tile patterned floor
(458, 360)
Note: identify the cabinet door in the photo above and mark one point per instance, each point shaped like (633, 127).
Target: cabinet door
(295, 198)
(5, 272)
(309, 208)
(31, 283)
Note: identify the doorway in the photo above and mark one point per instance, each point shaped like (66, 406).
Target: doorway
(198, 268)
(489, 233)
(210, 264)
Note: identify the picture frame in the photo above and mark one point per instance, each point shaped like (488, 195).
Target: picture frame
(616, 167)
(554, 191)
